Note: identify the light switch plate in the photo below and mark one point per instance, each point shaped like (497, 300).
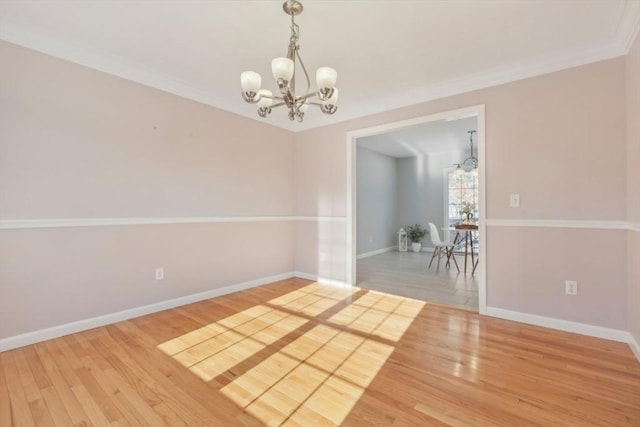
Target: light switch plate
(514, 200)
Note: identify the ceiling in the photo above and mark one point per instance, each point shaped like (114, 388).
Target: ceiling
(388, 54)
(427, 138)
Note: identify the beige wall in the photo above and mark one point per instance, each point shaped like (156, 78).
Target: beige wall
(633, 186)
(80, 143)
(77, 143)
(53, 276)
(559, 141)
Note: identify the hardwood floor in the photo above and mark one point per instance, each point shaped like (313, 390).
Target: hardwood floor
(299, 353)
(407, 274)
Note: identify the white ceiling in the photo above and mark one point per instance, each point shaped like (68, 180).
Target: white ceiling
(427, 138)
(388, 53)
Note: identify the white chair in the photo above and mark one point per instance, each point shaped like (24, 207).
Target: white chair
(442, 249)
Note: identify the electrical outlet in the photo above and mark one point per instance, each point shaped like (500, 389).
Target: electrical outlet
(159, 273)
(571, 287)
(514, 200)
(370, 238)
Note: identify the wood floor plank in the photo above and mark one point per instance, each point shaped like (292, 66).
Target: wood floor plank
(5, 403)
(91, 408)
(56, 407)
(39, 373)
(186, 393)
(31, 389)
(299, 353)
(69, 401)
(40, 412)
(21, 413)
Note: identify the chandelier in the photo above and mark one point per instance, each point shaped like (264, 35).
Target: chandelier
(470, 164)
(284, 73)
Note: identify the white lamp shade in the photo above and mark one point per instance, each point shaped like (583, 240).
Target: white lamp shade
(326, 77)
(265, 102)
(250, 81)
(303, 108)
(282, 68)
(334, 98)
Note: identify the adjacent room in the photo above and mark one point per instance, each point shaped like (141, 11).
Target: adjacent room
(340, 213)
(406, 180)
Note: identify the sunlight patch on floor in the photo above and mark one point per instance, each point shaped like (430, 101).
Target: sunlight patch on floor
(318, 376)
(212, 350)
(321, 376)
(376, 313)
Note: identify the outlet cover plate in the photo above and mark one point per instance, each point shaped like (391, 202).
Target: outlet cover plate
(571, 287)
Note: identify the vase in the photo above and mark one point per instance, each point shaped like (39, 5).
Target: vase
(416, 246)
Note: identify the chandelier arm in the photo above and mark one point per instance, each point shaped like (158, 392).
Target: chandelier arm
(307, 96)
(279, 104)
(263, 95)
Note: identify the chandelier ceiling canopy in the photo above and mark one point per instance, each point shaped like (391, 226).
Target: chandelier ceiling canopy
(284, 73)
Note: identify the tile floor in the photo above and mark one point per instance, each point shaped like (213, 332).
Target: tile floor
(407, 274)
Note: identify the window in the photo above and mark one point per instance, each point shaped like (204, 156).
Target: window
(462, 188)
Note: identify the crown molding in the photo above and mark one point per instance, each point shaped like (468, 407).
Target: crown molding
(533, 67)
(31, 38)
(628, 26)
(625, 33)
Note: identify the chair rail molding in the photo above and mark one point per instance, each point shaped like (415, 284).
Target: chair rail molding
(563, 223)
(9, 224)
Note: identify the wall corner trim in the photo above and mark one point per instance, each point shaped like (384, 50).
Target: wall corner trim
(95, 322)
(563, 325)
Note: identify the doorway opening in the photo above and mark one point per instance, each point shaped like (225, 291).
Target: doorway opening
(422, 164)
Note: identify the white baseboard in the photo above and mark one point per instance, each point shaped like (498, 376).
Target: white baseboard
(322, 280)
(635, 347)
(95, 322)
(377, 252)
(563, 325)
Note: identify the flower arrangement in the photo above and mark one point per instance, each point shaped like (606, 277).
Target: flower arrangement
(416, 233)
(468, 209)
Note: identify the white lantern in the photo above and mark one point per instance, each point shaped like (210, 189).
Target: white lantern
(402, 240)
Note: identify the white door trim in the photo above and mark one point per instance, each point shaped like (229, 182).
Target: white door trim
(352, 136)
